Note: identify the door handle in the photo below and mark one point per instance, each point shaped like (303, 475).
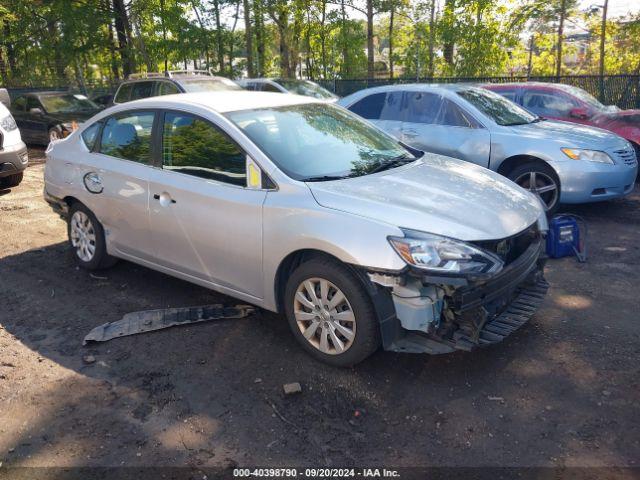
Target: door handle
(410, 132)
(164, 198)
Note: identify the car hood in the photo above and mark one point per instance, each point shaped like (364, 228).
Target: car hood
(570, 134)
(438, 195)
(74, 116)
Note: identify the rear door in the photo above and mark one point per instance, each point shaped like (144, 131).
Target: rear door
(206, 222)
(383, 109)
(433, 123)
(118, 172)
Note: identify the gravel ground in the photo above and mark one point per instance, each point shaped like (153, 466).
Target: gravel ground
(562, 392)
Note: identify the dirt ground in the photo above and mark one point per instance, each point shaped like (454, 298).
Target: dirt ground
(562, 392)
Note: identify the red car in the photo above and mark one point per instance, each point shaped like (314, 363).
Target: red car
(572, 104)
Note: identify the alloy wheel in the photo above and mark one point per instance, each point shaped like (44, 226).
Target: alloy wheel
(324, 316)
(541, 185)
(83, 236)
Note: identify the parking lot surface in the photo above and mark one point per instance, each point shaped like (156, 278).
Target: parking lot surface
(563, 391)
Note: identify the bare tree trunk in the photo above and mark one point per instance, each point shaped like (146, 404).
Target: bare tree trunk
(323, 40)
(432, 35)
(344, 70)
(204, 32)
(370, 57)
(11, 53)
(231, 37)
(260, 47)
(563, 13)
(391, 15)
(123, 29)
(220, 45)
(248, 38)
(449, 44)
(530, 62)
(603, 34)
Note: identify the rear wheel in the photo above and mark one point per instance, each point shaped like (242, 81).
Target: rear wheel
(330, 313)
(11, 180)
(542, 181)
(86, 237)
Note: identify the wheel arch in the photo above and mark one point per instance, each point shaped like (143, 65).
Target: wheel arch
(510, 163)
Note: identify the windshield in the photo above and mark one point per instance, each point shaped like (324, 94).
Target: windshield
(67, 103)
(209, 85)
(306, 88)
(587, 98)
(318, 141)
(496, 107)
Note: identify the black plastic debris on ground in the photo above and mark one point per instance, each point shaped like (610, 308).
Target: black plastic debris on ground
(150, 320)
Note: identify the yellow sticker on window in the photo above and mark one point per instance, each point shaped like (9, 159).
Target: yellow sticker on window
(254, 176)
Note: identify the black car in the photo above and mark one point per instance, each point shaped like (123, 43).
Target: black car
(46, 116)
(105, 100)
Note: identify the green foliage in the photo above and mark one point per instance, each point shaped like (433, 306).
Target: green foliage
(76, 42)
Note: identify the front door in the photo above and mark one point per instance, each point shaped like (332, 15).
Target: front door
(205, 221)
(436, 124)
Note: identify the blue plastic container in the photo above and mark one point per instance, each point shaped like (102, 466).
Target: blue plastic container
(563, 239)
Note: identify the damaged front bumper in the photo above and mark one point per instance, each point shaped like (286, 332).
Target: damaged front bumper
(430, 314)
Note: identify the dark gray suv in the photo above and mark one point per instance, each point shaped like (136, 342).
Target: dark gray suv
(145, 85)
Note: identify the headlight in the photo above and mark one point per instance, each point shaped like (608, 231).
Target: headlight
(8, 123)
(588, 155)
(442, 255)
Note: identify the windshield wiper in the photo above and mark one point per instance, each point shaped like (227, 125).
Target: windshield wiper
(324, 178)
(393, 162)
(538, 119)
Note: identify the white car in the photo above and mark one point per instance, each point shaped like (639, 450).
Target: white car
(14, 157)
(300, 207)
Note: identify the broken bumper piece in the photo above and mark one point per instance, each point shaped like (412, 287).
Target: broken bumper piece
(149, 320)
(438, 315)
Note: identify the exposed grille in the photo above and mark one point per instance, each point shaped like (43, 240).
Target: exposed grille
(626, 156)
(510, 248)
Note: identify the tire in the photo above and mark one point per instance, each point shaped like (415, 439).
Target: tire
(364, 328)
(55, 133)
(86, 238)
(544, 177)
(11, 180)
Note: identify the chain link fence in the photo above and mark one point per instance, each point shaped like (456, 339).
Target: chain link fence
(620, 90)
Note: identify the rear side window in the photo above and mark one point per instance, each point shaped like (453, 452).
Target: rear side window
(142, 90)
(369, 107)
(90, 135)
(267, 87)
(167, 88)
(124, 92)
(128, 136)
(193, 146)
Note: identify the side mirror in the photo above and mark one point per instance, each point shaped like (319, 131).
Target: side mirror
(579, 113)
(36, 111)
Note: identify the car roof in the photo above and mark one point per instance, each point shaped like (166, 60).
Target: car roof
(222, 101)
(49, 93)
(559, 86)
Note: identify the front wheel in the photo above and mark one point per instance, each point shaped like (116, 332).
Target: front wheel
(331, 313)
(86, 237)
(540, 180)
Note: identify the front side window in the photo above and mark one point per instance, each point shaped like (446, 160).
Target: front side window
(317, 141)
(547, 104)
(128, 136)
(19, 105)
(33, 103)
(422, 107)
(65, 103)
(496, 107)
(167, 88)
(209, 85)
(142, 90)
(196, 147)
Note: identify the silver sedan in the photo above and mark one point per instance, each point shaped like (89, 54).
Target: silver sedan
(301, 207)
(558, 161)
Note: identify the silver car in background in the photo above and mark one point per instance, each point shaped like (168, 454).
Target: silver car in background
(306, 88)
(301, 207)
(558, 161)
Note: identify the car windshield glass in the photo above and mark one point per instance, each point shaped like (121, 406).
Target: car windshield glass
(496, 107)
(317, 141)
(306, 88)
(209, 85)
(67, 103)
